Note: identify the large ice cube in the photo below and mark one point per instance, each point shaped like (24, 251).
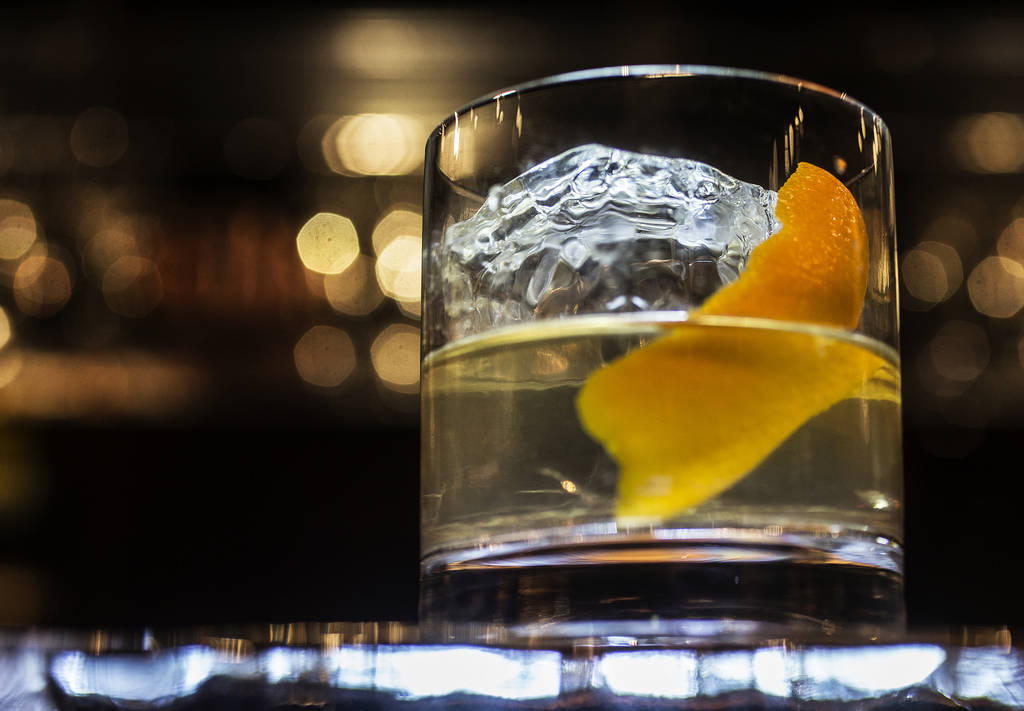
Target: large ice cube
(599, 229)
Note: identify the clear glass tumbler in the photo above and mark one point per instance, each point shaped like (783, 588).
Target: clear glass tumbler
(660, 354)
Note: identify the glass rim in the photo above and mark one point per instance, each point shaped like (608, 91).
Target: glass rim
(656, 71)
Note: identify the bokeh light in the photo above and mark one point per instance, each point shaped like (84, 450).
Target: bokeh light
(395, 354)
(17, 228)
(42, 285)
(959, 351)
(328, 243)
(990, 143)
(5, 328)
(1011, 241)
(132, 286)
(956, 230)
(354, 292)
(99, 137)
(996, 287)
(932, 271)
(114, 241)
(324, 356)
(11, 362)
(256, 149)
(374, 144)
(398, 269)
(378, 47)
(398, 222)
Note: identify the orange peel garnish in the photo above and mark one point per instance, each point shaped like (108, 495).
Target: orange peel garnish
(694, 412)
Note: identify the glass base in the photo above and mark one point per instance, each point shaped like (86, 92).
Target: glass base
(758, 583)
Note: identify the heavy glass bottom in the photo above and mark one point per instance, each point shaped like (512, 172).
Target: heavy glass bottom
(779, 579)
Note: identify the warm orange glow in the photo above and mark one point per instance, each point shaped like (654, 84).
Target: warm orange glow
(5, 328)
(354, 291)
(11, 362)
(398, 269)
(17, 228)
(42, 285)
(99, 137)
(132, 286)
(86, 385)
(324, 356)
(396, 357)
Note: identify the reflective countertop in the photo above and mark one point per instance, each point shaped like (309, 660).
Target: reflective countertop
(659, 665)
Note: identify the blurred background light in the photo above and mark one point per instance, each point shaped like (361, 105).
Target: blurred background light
(1011, 241)
(42, 285)
(5, 328)
(374, 144)
(398, 268)
(328, 243)
(395, 354)
(324, 356)
(354, 292)
(404, 221)
(99, 137)
(959, 350)
(932, 271)
(17, 228)
(132, 286)
(990, 142)
(996, 287)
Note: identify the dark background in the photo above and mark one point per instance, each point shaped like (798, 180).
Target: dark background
(162, 459)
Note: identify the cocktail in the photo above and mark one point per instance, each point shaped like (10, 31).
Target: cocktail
(660, 371)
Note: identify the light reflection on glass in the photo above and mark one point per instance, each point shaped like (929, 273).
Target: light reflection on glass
(354, 291)
(324, 356)
(99, 137)
(996, 287)
(327, 243)
(17, 228)
(499, 673)
(42, 286)
(665, 674)
(165, 675)
(398, 269)
(867, 672)
(395, 354)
